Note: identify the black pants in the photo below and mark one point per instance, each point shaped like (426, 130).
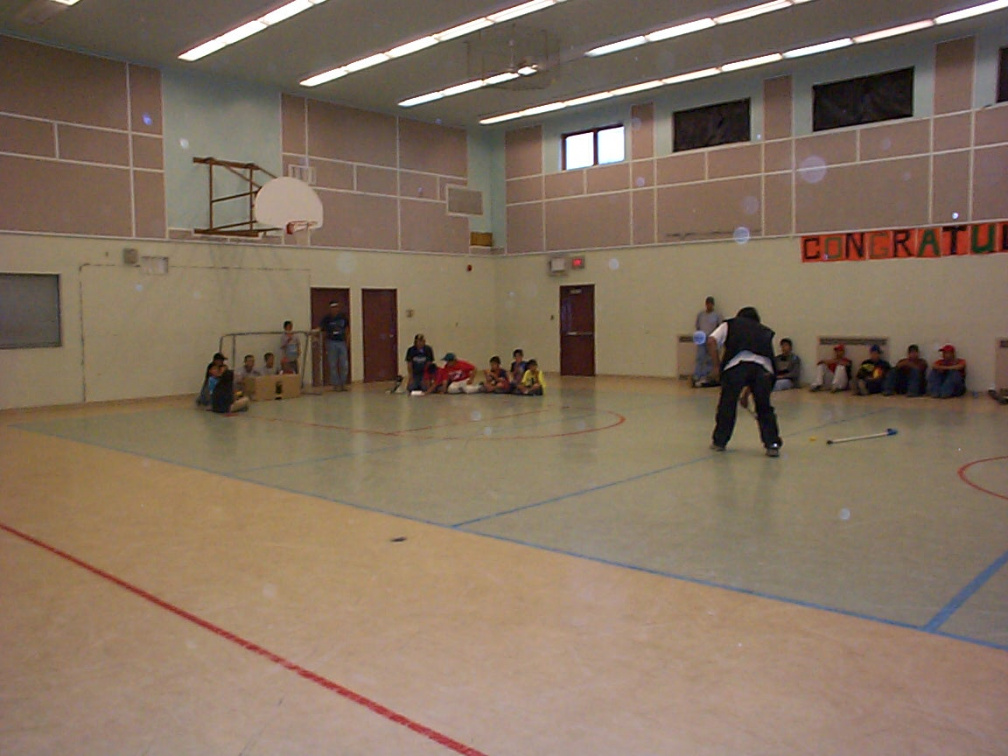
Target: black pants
(761, 383)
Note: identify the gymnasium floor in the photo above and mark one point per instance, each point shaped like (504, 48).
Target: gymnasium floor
(359, 573)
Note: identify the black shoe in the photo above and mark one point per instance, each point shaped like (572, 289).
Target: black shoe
(715, 447)
(773, 450)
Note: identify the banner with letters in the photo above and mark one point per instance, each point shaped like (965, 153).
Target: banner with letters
(930, 241)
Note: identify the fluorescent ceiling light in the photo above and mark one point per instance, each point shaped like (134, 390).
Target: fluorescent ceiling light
(587, 99)
(371, 60)
(835, 44)
(420, 99)
(67, 2)
(285, 11)
(680, 29)
(894, 31)
(623, 44)
(412, 47)
(500, 78)
(527, 70)
(756, 10)
(520, 10)
(462, 29)
(460, 88)
(323, 77)
(976, 10)
(751, 62)
(642, 87)
(244, 31)
(693, 75)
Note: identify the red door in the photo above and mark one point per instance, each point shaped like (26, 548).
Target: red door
(379, 313)
(577, 330)
(320, 299)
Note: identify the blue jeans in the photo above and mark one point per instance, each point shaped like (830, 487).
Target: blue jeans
(703, 365)
(903, 381)
(339, 363)
(943, 384)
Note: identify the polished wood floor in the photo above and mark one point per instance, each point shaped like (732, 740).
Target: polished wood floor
(360, 573)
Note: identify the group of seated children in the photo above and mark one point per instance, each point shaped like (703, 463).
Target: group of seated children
(218, 392)
(910, 376)
(459, 377)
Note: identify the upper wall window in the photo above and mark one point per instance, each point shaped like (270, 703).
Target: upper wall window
(606, 144)
(710, 126)
(867, 99)
(1002, 93)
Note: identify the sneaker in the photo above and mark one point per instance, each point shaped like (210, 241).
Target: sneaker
(715, 447)
(773, 450)
(813, 389)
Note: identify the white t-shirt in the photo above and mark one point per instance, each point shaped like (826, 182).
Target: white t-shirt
(719, 335)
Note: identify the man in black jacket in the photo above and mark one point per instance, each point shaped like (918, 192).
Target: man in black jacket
(747, 361)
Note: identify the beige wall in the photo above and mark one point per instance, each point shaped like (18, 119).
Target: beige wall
(127, 334)
(646, 297)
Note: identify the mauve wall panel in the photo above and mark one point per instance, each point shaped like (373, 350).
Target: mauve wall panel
(954, 64)
(333, 175)
(377, 180)
(642, 131)
(883, 194)
(431, 148)
(896, 139)
(710, 210)
(778, 156)
(349, 134)
(358, 221)
(990, 184)
(525, 189)
(149, 197)
(564, 184)
(642, 173)
(427, 228)
(777, 107)
(67, 198)
(738, 160)
(27, 137)
(525, 228)
(145, 99)
(418, 185)
(608, 178)
(992, 125)
(292, 124)
(643, 216)
(953, 132)
(92, 145)
(588, 222)
(148, 152)
(445, 181)
(523, 152)
(45, 82)
(678, 169)
(951, 187)
(777, 204)
(830, 148)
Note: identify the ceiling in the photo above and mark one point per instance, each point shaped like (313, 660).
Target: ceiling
(155, 32)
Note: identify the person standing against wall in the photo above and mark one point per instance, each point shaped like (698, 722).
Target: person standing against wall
(706, 321)
(335, 329)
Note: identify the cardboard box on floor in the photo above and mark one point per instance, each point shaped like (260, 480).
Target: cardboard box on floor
(268, 387)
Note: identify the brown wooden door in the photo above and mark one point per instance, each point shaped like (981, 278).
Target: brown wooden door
(380, 315)
(320, 299)
(577, 330)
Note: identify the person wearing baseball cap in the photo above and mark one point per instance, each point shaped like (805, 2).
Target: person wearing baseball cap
(836, 371)
(948, 375)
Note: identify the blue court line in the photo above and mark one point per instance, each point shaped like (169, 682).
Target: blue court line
(582, 492)
(966, 593)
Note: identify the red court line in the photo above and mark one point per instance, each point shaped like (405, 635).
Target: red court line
(307, 674)
(968, 482)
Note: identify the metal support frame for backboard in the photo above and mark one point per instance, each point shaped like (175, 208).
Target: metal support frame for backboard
(247, 173)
